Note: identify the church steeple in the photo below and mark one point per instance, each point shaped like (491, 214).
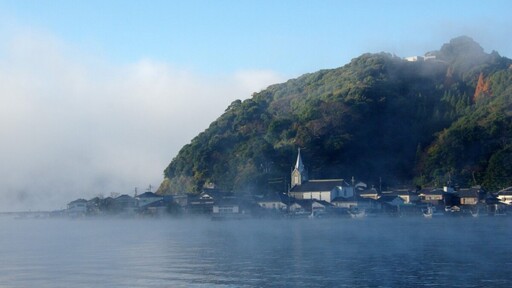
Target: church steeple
(299, 173)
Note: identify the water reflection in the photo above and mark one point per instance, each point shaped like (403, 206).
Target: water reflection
(407, 252)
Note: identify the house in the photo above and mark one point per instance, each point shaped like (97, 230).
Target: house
(124, 204)
(324, 189)
(226, 206)
(233, 208)
(392, 200)
(275, 202)
(310, 206)
(431, 196)
(147, 198)
(347, 203)
(155, 208)
(203, 203)
(93, 206)
(371, 193)
(358, 202)
(505, 196)
(77, 208)
(468, 196)
(408, 195)
(391, 203)
(181, 200)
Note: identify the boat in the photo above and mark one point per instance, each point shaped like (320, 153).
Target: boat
(431, 212)
(356, 213)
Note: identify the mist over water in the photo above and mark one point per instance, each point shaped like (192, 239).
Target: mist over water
(387, 252)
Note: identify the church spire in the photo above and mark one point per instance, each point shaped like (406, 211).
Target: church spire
(299, 165)
(299, 173)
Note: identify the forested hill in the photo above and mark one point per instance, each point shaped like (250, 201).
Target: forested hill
(446, 116)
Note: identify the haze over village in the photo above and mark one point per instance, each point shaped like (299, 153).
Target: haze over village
(90, 109)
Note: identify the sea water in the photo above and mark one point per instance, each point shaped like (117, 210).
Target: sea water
(371, 252)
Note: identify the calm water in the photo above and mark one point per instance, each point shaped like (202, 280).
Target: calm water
(410, 252)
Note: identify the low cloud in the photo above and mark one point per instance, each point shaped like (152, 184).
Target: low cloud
(75, 125)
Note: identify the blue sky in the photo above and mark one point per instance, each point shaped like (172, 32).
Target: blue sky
(98, 96)
(289, 37)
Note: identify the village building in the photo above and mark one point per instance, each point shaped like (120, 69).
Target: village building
(125, 204)
(431, 196)
(147, 198)
(310, 206)
(469, 196)
(275, 201)
(319, 189)
(77, 208)
(203, 203)
(371, 193)
(409, 196)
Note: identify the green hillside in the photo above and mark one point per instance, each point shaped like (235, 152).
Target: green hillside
(447, 117)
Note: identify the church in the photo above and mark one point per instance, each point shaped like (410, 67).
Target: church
(318, 189)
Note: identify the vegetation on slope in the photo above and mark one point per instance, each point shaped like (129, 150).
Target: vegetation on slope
(377, 117)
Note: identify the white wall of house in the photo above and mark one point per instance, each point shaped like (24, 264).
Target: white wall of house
(468, 201)
(346, 204)
(226, 209)
(272, 205)
(143, 201)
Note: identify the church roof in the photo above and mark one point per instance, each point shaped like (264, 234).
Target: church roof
(319, 185)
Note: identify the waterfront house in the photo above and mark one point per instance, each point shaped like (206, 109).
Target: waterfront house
(154, 208)
(347, 203)
(274, 201)
(468, 196)
(77, 208)
(93, 206)
(124, 204)
(361, 203)
(431, 196)
(408, 195)
(391, 203)
(392, 200)
(147, 198)
(226, 206)
(181, 200)
(203, 203)
(310, 206)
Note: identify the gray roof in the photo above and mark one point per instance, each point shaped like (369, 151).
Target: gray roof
(78, 201)
(148, 195)
(388, 198)
(466, 193)
(275, 197)
(436, 191)
(318, 185)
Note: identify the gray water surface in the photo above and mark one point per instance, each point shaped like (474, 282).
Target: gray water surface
(373, 252)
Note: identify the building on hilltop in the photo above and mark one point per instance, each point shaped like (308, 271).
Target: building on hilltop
(318, 189)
